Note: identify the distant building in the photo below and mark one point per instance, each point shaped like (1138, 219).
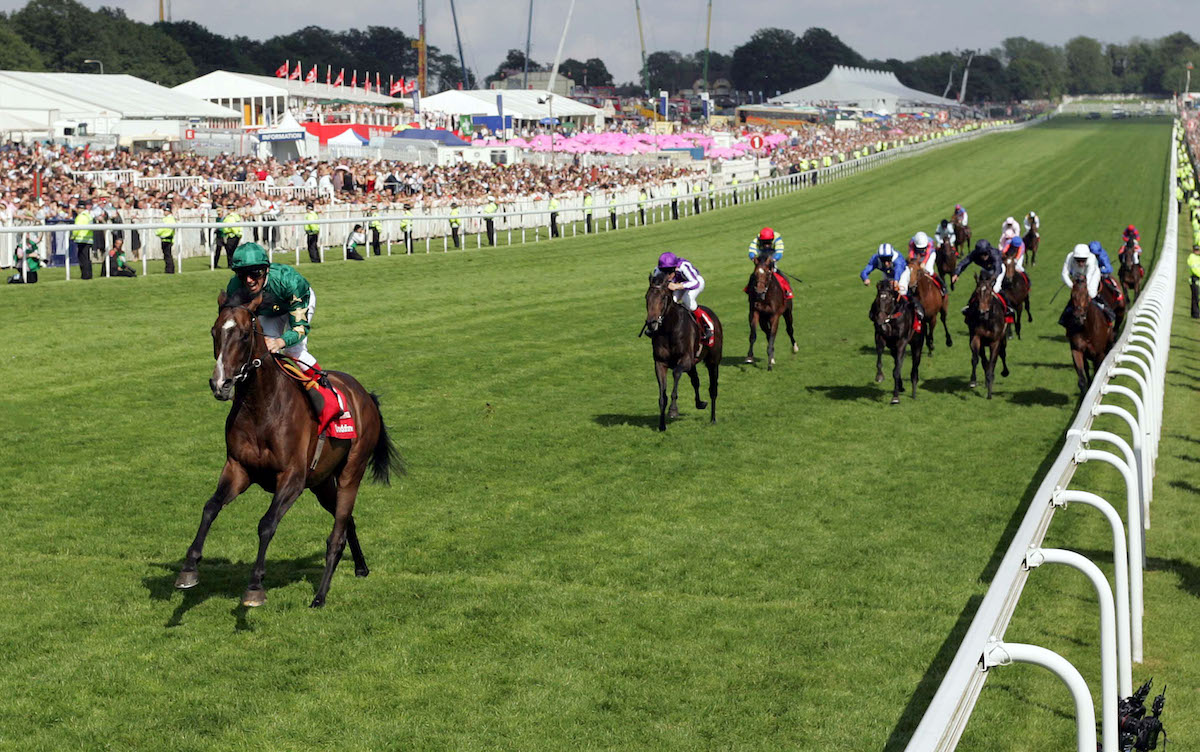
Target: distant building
(540, 80)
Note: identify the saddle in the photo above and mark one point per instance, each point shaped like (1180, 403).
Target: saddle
(332, 411)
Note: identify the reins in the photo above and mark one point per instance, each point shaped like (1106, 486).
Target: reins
(252, 363)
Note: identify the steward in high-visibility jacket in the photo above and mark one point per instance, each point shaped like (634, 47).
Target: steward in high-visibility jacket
(166, 236)
(376, 228)
(312, 232)
(406, 229)
(455, 222)
(231, 234)
(83, 240)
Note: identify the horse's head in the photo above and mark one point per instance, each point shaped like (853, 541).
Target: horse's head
(658, 300)
(1010, 266)
(887, 303)
(1130, 246)
(762, 277)
(234, 343)
(1080, 300)
(984, 295)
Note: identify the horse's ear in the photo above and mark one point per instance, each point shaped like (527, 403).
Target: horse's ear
(254, 304)
(221, 298)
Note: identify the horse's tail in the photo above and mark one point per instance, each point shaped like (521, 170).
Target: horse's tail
(384, 457)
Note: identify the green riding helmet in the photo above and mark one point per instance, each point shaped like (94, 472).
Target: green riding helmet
(250, 256)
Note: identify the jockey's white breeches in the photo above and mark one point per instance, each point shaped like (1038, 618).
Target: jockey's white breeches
(687, 298)
(275, 326)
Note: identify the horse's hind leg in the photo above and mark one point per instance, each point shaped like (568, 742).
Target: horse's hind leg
(1003, 352)
(791, 332)
(975, 347)
(327, 494)
(945, 327)
(660, 373)
(714, 367)
(336, 544)
(878, 358)
(695, 377)
(916, 364)
(772, 328)
(233, 482)
(898, 371)
(753, 335)
(287, 490)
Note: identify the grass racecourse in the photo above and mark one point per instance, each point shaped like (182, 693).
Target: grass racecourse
(553, 573)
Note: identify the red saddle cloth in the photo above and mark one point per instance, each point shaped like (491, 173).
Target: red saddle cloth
(335, 419)
(787, 286)
(1008, 317)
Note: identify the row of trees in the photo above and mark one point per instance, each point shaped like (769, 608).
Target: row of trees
(60, 34)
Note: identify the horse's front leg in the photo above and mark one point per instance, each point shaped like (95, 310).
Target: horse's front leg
(1080, 370)
(878, 357)
(989, 366)
(974, 360)
(695, 377)
(660, 373)
(1003, 353)
(916, 366)
(753, 333)
(288, 487)
(232, 483)
(674, 411)
(898, 370)
(945, 326)
(791, 332)
(772, 330)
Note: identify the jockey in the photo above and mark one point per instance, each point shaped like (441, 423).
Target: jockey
(285, 315)
(770, 243)
(686, 284)
(922, 253)
(1105, 265)
(1033, 221)
(1131, 233)
(1082, 263)
(988, 259)
(895, 268)
(944, 232)
(1009, 229)
(960, 215)
(1016, 250)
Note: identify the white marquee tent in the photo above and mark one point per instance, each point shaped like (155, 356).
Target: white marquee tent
(100, 101)
(261, 98)
(879, 91)
(523, 105)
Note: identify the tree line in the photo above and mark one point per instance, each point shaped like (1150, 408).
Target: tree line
(58, 35)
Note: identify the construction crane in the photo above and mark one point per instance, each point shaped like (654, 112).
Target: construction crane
(637, 6)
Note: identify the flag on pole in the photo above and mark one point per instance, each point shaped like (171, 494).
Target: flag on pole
(410, 87)
(328, 75)
(354, 80)
(341, 79)
(282, 71)
(311, 78)
(397, 87)
(378, 86)
(367, 81)
(296, 73)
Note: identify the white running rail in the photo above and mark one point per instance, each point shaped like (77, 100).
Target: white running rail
(1143, 345)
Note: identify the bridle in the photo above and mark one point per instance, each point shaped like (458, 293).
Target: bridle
(252, 363)
(649, 327)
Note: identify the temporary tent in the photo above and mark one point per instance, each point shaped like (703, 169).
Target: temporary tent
(285, 140)
(347, 138)
(445, 138)
(874, 90)
(524, 106)
(260, 98)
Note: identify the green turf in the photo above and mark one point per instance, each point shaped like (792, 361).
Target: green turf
(553, 572)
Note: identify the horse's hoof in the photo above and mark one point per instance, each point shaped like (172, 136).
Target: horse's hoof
(748, 360)
(795, 348)
(895, 400)
(972, 384)
(879, 378)
(254, 597)
(673, 413)
(1004, 372)
(700, 404)
(770, 364)
(317, 603)
(363, 572)
(187, 579)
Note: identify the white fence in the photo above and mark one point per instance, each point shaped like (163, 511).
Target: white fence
(519, 221)
(1140, 354)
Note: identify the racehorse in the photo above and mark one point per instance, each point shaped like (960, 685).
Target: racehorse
(675, 338)
(962, 237)
(985, 320)
(271, 439)
(893, 319)
(947, 259)
(767, 304)
(934, 303)
(1031, 239)
(1130, 274)
(1089, 332)
(1112, 296)
(1016, 290)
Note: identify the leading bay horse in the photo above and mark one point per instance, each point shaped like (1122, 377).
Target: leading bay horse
(675, 341)
(985, 320)
(962, 236)
(893, 319)
(767, 304)
(1089, 332)
(1032, 237)
(1130, 273)
(933, 301)
(271, 440)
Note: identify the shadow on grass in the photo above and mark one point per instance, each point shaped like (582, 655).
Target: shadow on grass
(733, 361)
(1039, 396)
(1181, 437)
(1183, 485)
(1188, 572)
(221, 578)
(646, 420)
(919, 700)
(1177, 372)
(1186, 458)
(1065, 364)
(843, 392)
(1054, 338)
(948, 385)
